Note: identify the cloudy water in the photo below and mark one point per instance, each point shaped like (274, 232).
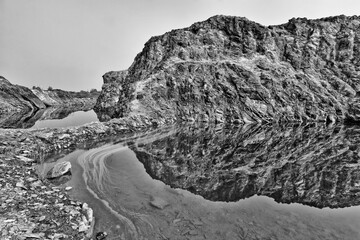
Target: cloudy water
(73, 119)
(297, 182)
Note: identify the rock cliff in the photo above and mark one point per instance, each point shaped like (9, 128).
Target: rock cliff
(15, 98)
(230, 69)
(312, 165)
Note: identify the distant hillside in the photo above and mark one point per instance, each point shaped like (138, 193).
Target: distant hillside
(58, 97)
(15, 98)
(22, 100)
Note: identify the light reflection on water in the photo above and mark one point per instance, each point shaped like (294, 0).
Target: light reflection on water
(117, 186)
(73, 119)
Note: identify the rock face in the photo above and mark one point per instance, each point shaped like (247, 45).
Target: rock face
(15, 98)
(110, 102)
(230, 69)
(312, 165)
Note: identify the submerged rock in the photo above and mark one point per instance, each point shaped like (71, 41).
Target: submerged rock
(230, 69)
(158, 202)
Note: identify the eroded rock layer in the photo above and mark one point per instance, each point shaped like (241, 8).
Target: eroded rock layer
(15, 98)
(230, 69)
(312, 165)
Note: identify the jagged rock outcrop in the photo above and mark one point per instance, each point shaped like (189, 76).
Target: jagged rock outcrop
(230, 69)
(108, 104)
(312, 165)
(15, 98)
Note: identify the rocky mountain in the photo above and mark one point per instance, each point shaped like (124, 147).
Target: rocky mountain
(230, 69)
(314, 164)
(15, 98)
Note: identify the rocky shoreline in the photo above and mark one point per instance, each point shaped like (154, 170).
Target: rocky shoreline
(31, 206)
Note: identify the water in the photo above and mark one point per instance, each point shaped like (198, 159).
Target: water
(73, 119)
(254, 182)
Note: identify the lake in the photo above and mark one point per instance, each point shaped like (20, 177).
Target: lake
(211, 182)
(73, 119)
(52, 117)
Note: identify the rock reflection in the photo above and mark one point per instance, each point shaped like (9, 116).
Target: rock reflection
(28, 120)
(313, 165)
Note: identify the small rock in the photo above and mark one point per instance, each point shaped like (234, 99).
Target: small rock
(25, 159)
(20, 185)
(176, 220)
(158, 203)
(65, 135)
(31, 179)
(101, 235)
(83, 227)
(68, 188)
(34, 235)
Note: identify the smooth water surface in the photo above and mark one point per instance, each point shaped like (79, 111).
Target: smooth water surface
(222, 184)
(73, 119)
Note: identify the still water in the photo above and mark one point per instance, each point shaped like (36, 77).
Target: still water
(294, 182)
(73, 119)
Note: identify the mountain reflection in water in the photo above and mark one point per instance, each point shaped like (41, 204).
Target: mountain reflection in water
(50, 117)
(311, 165)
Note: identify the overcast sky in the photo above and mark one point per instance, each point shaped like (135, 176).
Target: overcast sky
(70, 44)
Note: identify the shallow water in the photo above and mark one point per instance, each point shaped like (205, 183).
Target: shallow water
(73, 119)
(119, 182)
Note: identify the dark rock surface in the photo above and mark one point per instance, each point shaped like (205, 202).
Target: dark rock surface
(109, 103)
(15, 98)
(313, 165)
(230, 69)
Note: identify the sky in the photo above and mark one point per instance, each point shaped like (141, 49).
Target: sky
(70, 44)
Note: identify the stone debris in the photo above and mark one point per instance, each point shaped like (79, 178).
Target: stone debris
(37, 211)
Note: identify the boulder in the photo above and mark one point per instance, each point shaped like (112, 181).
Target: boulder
(59, 170)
